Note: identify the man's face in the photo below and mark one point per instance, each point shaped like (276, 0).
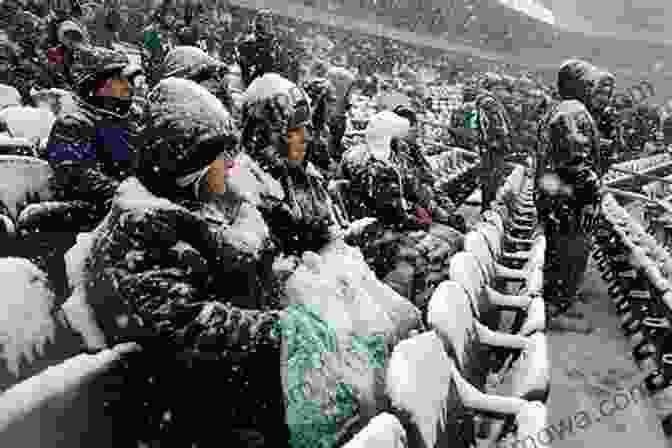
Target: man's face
(296, 144)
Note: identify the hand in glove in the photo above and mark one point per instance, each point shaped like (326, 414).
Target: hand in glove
(423, 216)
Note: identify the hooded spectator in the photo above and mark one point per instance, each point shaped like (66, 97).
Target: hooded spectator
(260, 52)
(91, 148)
(321, 93)
(342, 80)
(275, 117)
(192, 63)
(379, 183)
(198, 282)
(568, 178)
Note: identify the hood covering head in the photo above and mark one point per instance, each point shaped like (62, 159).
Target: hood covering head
(577, 80)
(382, 129)
(97, 63)
(190, 63)
(490, 80)
(187, 129)
(272, 105)
(342, 80)
(72, 34)
(263, 20)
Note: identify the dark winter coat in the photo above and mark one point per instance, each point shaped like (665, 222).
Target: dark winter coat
(258, 55)
(197, 284)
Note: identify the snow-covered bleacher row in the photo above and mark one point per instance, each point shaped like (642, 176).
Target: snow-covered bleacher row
(638, 271)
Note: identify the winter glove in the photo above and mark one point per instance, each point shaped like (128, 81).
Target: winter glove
(423, 216)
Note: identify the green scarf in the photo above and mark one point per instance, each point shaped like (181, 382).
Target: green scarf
(308, 337)
(152, 40)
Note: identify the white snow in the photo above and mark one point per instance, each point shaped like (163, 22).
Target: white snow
(419, 377)
(28, 122)
(26, 323)
(132, 195)
(9, 96)
(21, 175)
(383, 431)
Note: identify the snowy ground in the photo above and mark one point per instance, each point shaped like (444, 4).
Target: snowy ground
(597, 370)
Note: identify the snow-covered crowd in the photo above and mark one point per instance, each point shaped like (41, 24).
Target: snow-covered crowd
(205, 202)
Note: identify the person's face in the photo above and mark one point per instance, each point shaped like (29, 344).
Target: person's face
(602, 96)
(412, 136)
(296, 144)
(218, 174)
(118, 88)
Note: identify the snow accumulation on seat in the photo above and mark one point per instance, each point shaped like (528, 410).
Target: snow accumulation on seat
(26, 322)
(28, 122)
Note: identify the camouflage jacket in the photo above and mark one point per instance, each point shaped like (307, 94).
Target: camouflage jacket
(387, 190)
(489, 118)
(569, 149)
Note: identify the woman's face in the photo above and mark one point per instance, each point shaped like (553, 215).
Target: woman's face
(117, 88)
(218, 174)
(296, 144)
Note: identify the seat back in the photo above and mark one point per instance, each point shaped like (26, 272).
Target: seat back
(65, 405)
(422, 391)
(493, 237)
(465, 270)
(476, 243)
(383, 431)
(451, 315)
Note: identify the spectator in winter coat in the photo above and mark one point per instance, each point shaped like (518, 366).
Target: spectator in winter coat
(423, 177)
(275, 117)
(192, 63)
(260, 52)
(197, 283)
(107, 23)
(342, 80)
(321, 93)
(568, 177)
(91, 149)
(381, 184)
(494, 131)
